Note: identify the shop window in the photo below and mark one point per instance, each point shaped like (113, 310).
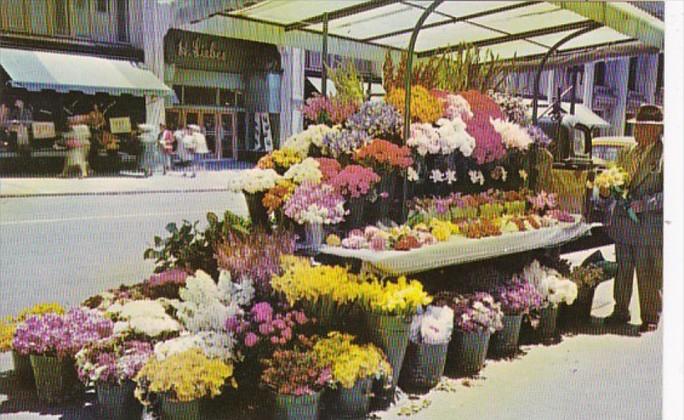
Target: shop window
(178, 89)
(240, 99)
(227, 97)
(633, 67)
(199, 96)
(102, 6)
(600, 74)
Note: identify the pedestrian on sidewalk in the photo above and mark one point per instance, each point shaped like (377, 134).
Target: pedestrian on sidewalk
(639, 243)
(200, 142)
(185, 151)
(166, 140)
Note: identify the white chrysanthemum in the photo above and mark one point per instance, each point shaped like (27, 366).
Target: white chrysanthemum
(513, 136)
(305, 171)
(253, 180)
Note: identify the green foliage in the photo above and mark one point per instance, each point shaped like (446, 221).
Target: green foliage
(190, 248)
(347, 83)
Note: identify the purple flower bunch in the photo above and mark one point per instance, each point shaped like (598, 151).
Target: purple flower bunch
(113, 360)
(321, 110)
(61, 335)
(376, 119)
(255, 256)
(315, 203)
(539, 136)
(543, 201)
(489, 145)
(517, 297)
(174, 276)
(337, 143)
(474, 312)
(355, 181)
(264, 328)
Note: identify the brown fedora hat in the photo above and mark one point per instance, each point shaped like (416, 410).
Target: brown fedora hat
(648, 114)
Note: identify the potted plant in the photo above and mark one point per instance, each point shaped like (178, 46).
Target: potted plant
(353, 368)
(22, 363)
(52, 341)
(389, 308)
(586, 279)
(517, 299)
(296, 380)
(427, 350)
(110, 366)
(355, 183)
(315, 205)
(476, 317)
(254, 183)
(182, 382)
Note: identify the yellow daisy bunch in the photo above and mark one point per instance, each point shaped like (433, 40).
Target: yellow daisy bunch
(425, 107)
(285, 157)
(188, 375)
(443, 229)
(350, 362)
(400, 298)
(612, 177)
(40, 309)
(302, 281)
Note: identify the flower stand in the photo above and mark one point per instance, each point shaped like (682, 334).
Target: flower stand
(118, 402)
(546, 330)
(423, 365)
(290, 407)
(467, 352)
(505, 342)
(349, 403)
(22, 368)
(180, 410)
(257, 211)
(56, 379)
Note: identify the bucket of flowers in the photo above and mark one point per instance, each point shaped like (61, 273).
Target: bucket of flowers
(586, 278)
(183, 382)
(356, 184)
(476, 317)
(427, 350)
(353, 369)
(389, 308)
(52, 341)
(8, 326)
(517, 298)
(315, 205)
(110, 366)
(254, 183)
(296, 379)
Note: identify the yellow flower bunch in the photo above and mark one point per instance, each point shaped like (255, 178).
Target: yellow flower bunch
(285, 157)
(40, 309)
(350, 362)
(612, 177)
(7, 327)
(302, 281)
(400, 298)
(425, 107)
(188, 375)
(442, 229)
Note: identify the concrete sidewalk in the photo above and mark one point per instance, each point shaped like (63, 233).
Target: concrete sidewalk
(172, 182)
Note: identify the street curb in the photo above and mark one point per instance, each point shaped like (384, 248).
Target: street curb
(104, 193)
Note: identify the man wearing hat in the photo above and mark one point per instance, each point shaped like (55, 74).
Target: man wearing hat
(639, 240)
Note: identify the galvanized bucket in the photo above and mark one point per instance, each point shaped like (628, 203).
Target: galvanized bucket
(467, 352)
(291, 407)
(180, 410)
(22, 368)
(423, 365)
(118, 402)
(56, 379)
(349, 403)
(505, 342)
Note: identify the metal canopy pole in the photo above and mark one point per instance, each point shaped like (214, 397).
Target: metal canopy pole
(324, 57)
(537, 77)
(407, 87)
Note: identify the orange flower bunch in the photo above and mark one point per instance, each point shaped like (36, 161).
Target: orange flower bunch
(278, 195)
(383, 155)
(425, 107)
(266, 162)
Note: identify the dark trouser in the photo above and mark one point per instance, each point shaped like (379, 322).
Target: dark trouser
(648, 261)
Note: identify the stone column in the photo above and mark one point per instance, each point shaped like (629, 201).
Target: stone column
(588, 86)
(550, 85)
(647, 78)
(291, 91)
(618, 72)
(157, 19)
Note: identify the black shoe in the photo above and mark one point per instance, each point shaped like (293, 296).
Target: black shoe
(616, 319)
(648, 327)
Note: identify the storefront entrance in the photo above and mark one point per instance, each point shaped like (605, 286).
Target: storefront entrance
(218, 127)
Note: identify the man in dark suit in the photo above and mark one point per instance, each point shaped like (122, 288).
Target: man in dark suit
(639, 240)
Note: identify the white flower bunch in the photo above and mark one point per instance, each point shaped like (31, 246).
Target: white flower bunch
(513, 135)
(424, 138)
(176, 345)
(253, 180)
(315, 214)
(147, 317)
(453, 136)
(434, 326)
(553, 287)
(457, 107)
(213, 344)
(305, 171)
(301, 142)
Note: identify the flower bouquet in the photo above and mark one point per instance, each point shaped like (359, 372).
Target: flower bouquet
(427, 350)
(586, 278)
(389, 308)
(377, 120)
(182, 381)
(517, 298)
(284, 158)
(305, 142)
(110, 365)
(315, 205)
(165, 284)
(425, 107)
(296, 379)
(323, 110)
(254, 183)
(329, 168)
(353, 368)
(355, 183)
(145, 319)
(476, 317)
(307, 171)
(612, 184)
(52, 341)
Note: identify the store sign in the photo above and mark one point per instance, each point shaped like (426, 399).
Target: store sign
(198, 48)
(43, 130)
(120, 125)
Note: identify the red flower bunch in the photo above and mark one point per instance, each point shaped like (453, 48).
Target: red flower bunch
(384, 155)
(294, 372)
(328, 167)
(489, 145)
(355, 180)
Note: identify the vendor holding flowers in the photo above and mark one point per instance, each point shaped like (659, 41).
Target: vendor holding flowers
(637, 228)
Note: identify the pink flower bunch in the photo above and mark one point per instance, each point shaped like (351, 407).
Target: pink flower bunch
(263, 326)
(173, 276)
(329, 168)
(355, 181)
(489, 144)
(560, 215)
(315, 203)
(321, 110)
(112, 360)
(543, 201)
(61, 335)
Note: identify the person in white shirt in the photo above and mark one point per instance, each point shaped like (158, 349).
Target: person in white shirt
(185, 150)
